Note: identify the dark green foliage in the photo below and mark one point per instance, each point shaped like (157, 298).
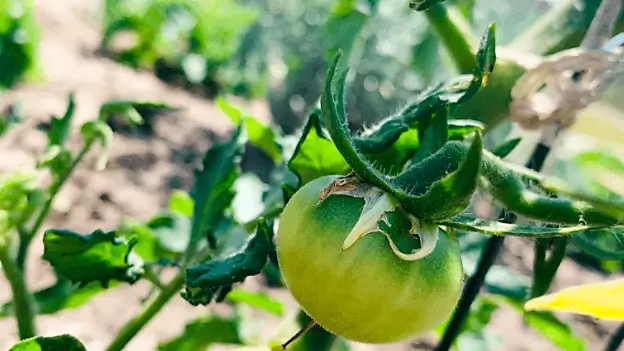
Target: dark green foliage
(214, 279)
(99, 256)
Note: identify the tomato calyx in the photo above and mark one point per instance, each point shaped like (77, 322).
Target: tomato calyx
(422, 236)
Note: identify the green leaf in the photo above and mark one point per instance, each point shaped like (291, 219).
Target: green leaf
(57, 159)
(212, 192)
(181, 202)
(128, 110)
(100, 256)
(204, 332)
(545, 268)
(491, 227)
(460, 129)
(315, 154)
(98, 131)
(258, 134)
(60, 127)
(256, 299)
(54, 343)
(344, 23)
(63, 295)
(506, 147)
(553, 329)
(213, 279)
(604, 244)
(424, 4)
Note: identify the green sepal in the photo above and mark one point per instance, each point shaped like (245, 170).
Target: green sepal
(447, 95)
(99, 256)
(315, 155)
(434, 137)
(53, 343)
(448, 195)
(213, 279)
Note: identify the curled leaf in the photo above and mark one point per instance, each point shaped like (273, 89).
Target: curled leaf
(207, 281)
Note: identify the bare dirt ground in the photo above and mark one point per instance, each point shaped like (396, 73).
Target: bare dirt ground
(140, 175)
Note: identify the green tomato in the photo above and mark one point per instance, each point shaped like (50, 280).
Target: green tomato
(365, 292)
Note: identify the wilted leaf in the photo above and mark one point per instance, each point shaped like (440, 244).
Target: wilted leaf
(99, 256)
(316, 155)
(201, 333)
(54, 343)
(214, 279)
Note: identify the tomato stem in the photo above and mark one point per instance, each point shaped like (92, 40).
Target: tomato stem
(300, 333)
(22, 299)
(486, 261)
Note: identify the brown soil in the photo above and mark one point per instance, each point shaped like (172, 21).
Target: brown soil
(140, 175)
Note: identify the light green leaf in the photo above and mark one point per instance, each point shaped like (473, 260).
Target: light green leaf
(316, 155)
(181, 202)
(214, 279)
(98, 131)
(100, 256)
(202, 333)
(258, 134)
(54, 343)
(256, 299)
(127, 109)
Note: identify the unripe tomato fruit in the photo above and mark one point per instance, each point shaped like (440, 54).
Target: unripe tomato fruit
(364, 293)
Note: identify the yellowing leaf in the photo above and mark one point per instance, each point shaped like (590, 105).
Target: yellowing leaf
(600, 300)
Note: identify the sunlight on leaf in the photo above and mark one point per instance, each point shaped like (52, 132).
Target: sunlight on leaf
(316, 155)
(604, 300)
(54, 343)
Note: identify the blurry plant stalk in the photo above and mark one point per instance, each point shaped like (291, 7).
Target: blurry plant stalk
(549, 96)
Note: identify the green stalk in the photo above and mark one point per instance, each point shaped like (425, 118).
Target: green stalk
(315, 339)
(22, 299)
(26, 237)
(134, 326)
(451, 28)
